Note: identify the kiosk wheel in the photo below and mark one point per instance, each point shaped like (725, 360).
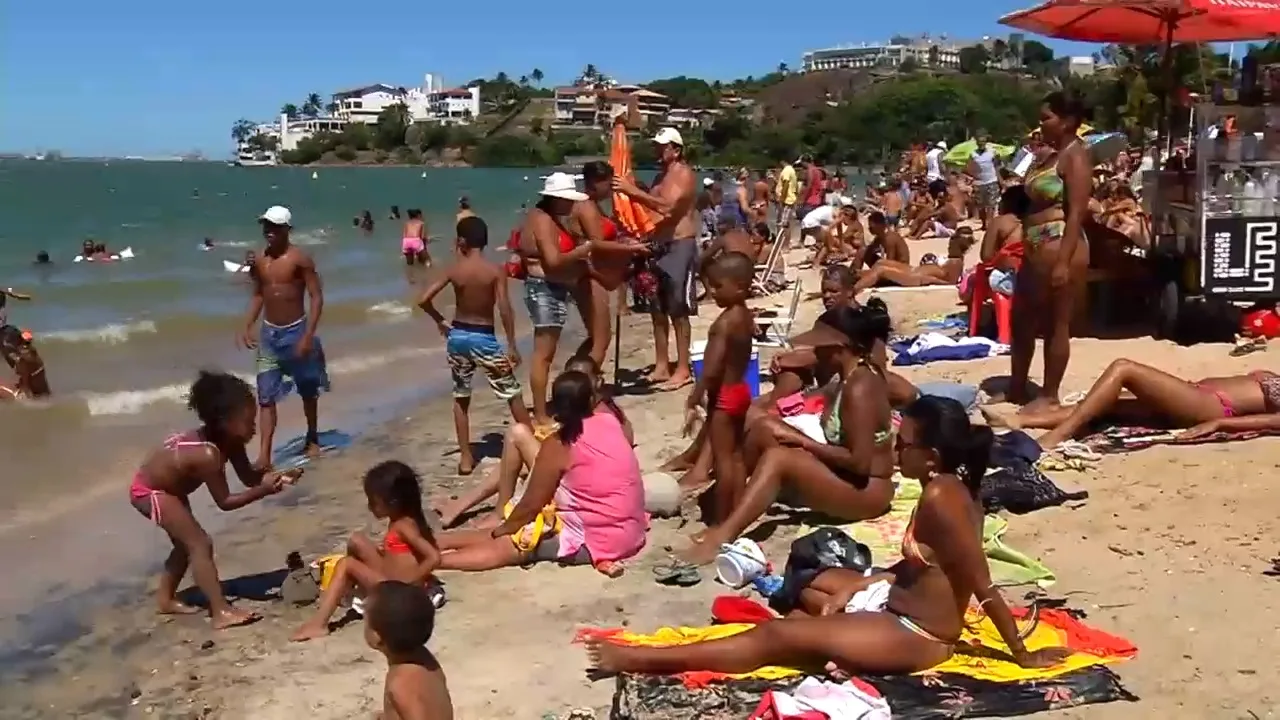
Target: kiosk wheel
(1169, 303)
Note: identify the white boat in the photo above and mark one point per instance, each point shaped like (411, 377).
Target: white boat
(232, 267)
(255, 159)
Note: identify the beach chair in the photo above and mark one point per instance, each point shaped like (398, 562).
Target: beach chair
(763, 281)
(777, 328)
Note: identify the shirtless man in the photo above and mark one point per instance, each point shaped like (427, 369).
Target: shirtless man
(554, 268)
(413, 243)
(886, 244)
(729, 239)
(842, 239)
(288, 352)
(943, 219)
(20, 353)
(891, 202)
(479, 291)
(760, 194)
(675, 242)
(609, 261)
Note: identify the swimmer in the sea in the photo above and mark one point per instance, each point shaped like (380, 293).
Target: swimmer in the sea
(87, 249)
(207, 244)
(42, 258)
(20, 353)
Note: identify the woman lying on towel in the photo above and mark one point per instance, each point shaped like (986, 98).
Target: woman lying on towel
(1135, 393)
(919, 621)
(841, 465)
(929, 272)
(584, 502)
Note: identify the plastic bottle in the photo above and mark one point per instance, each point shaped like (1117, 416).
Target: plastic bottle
(1270, 189)
(1252, 206)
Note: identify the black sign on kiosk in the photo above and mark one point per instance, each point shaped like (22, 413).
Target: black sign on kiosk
(1239, 256)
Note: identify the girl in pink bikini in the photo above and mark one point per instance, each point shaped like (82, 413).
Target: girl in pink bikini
(161, 489)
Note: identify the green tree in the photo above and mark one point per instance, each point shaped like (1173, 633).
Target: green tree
(537, 76)
(536, 127)
(331, 108)
(242, 130)
(524, 81)
(313, 105)
(392, 126)
(357, 136)
(974, 59)
(1037, 58)
(934, 56)
(909, 65)
(999, 52)
(782, 68)
(686, 92)
(290, 111)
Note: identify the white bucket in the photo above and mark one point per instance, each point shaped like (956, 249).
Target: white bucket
(740, 562)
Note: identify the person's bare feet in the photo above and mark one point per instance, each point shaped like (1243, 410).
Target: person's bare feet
(606, 657)
(660, 375)
(997, 419)
(466, 466)
(448, 516)
(234, 618)
(175, 607)
(310, 631)
(703, 551)
(678, 379)
(313, 450)
(1041, 404)
(676, 464)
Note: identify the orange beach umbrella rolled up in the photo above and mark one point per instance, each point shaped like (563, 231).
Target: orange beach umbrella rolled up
(635, 219)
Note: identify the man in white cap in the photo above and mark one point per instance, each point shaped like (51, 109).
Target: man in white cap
(554, 265)
(675, 245)
(289, 353)
(935, 170)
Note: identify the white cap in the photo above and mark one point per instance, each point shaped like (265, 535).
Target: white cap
(668, 136)
(277, 215)
(708, 182)
(562, 185)
(941, 144)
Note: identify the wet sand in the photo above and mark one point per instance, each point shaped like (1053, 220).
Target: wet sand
(1168, 551)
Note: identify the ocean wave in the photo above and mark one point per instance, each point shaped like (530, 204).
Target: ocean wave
(109, 334)
(391, 310)
(134, 401)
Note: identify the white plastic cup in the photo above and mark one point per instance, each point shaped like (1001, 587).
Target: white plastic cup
(740, 562)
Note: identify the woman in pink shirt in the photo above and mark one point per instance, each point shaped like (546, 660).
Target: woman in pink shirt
(585, 486)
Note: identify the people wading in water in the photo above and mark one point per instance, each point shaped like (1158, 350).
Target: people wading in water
(675, 245)
(289, 353)
(413, 241)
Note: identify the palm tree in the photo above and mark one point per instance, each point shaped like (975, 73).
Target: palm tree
(311, 108)
(501, 79)
(242, 130)
(590, 74)
(524, 80)
(289, 110)
(537, 76)
(331, 108)
(783, 69)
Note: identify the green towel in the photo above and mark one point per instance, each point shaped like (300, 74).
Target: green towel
(884, 534)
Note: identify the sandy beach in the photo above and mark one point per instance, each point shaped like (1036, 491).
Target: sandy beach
(1169, 551)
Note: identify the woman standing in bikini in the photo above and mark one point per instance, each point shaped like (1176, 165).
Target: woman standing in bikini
(413, 243)
(942, 569)
(845, 475)
(1140, 393)
(161, 489)
(1057, 253)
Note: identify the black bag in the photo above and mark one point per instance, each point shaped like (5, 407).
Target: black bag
(1016, 484)
(820, 550)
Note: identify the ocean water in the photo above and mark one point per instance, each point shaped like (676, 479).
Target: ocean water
(122, 340)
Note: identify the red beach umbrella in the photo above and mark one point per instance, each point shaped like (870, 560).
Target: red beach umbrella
(1150, 21)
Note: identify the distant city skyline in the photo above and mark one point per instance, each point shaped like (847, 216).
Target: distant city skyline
(168, 79)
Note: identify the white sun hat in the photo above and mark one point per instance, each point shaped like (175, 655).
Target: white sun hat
(277, 215)
(562, 185)
(668, 136)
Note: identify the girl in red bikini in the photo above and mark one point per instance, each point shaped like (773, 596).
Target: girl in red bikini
(162, 487)
(1137, 393)
(408, 552)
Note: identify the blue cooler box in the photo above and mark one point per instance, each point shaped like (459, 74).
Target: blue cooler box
(699, 348)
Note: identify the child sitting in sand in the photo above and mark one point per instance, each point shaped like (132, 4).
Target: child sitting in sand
(399, 620)
(162, 487)
(723, 382)
(479, 288)
(408, 552)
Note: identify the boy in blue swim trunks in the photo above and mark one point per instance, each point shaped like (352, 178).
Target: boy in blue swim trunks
(479, 287)
(289, 354)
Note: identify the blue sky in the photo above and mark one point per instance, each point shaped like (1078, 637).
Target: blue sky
(151, 76)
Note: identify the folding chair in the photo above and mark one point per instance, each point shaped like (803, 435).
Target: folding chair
(764, 272)
(777, 329)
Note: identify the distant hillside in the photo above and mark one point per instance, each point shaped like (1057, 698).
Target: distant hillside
(791, 99)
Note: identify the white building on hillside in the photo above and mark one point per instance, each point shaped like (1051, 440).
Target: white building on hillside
(429, 103)
(888, 55)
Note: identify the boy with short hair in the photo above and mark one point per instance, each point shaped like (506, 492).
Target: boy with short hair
(479, 287)
(723, 382)
(399, 620)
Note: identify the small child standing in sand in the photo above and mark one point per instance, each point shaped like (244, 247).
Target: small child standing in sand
(723, 382)
(161, 489)
(399, 620)
(408, 552)
(479, 287)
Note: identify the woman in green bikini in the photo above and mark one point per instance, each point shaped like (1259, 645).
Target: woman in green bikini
(1057, 252)
(846, 475)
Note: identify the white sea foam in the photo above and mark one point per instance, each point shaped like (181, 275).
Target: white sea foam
(390, 310)
(109, 334)
(132, 402)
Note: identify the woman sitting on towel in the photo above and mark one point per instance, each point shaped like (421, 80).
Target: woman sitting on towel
(583, 504)
(520, 449)
(1137, 393)
(840, 466)
(918, 621)
(929, 272)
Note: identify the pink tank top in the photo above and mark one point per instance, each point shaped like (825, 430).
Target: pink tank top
(601, 496)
